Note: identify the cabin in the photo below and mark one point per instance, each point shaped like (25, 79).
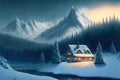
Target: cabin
(78, 53)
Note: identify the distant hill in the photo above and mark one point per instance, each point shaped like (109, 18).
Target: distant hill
(12, 42)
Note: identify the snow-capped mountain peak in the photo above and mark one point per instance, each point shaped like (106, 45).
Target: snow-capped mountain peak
(72, 19)
(66, 27)
(24, 29)
(72, 13)
(83, 19)
(69, 25)
(17, 20)
(13, 25)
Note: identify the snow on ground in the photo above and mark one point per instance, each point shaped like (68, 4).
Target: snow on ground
(86, 69)
(6, 74)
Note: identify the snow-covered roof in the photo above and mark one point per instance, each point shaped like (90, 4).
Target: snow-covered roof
(83, 49)
(84, 55)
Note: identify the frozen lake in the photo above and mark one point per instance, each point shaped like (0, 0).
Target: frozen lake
(65, 77)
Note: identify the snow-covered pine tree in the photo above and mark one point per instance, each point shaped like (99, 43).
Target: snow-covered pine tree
(98, 55)
(100, 46)
(42, 57)
(112, 48)
(56, 57)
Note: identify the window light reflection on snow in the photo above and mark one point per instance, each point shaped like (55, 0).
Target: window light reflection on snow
(81, 64)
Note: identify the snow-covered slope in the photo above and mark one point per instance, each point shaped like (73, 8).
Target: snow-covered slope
(6, 74)
(66, 27)
(23, 29)
(87, 69)
(39, 27)
(83, 19)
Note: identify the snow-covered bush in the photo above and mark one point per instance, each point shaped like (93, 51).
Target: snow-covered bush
(4, 63)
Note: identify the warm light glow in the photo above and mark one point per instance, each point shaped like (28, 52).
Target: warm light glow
(69, 53)
(75, 59)
(79, 59)
(98, 13)
(83, 59)
(90, 59)
(81, 64)
(68, 58)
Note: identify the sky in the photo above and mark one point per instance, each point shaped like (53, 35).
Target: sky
(97, 14)
(52, 10)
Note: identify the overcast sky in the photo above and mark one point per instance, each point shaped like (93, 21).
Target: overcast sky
(43, 10)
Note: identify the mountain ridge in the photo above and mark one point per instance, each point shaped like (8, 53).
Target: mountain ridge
(68, 26)
(24, 29)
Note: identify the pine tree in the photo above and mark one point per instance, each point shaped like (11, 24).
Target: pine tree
(112, 48)
(98, 56)
(110, 19)
(106, 20)
(56, 57)
(103, 21)
(114, 18)
(99, 44)
(42, 57)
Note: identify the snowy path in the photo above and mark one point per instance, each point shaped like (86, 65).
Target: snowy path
(86, 69)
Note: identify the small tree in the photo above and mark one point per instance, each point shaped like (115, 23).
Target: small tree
(42, 57)
(100, 46)
(56, 57)
(112, 48)
(98, 55)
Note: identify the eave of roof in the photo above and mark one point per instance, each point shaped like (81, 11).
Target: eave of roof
(84, 55)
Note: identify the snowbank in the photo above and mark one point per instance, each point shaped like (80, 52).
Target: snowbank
(4, 63)
(6, 74)
(86, 69)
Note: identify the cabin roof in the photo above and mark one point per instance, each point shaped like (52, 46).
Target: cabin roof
(82, 48)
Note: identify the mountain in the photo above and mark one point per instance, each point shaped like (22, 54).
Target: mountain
(24, 29)
(84, 20)
(66, 27)
(18, 27)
